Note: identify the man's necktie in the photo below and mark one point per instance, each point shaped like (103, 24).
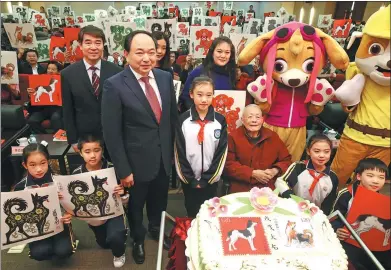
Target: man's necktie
(152, 98)
(95, 81)
(316, 180)
(200, 135)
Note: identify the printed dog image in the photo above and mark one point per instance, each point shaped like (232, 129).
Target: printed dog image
(7, 72)
(254, 28)
(49, 90)
(17, 220)
(98, 197)
(306, 237)
(241, 46)
(246, 234)
(341, 29)
(365, 223)
(74, 46)
(20, 38)
(58, 50)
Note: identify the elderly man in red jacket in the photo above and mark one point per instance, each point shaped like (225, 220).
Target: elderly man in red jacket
(256, 154)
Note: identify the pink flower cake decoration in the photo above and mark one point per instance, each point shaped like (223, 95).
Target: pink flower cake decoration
(216, 207)
(263, 200)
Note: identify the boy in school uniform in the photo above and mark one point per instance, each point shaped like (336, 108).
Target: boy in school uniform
(111, 233)
(200, 147)
(371, 174)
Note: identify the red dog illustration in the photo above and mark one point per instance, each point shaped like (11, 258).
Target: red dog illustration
(183, 29)
(20, 38)
(205, 37)
(70, 21)
(7, 72)
(222, 104)
(39, 20)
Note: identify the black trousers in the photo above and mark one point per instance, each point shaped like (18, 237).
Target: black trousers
(37, 116)
(361, 260)
(112, 235)
(195, 197)
(59, 246)
(154, 194)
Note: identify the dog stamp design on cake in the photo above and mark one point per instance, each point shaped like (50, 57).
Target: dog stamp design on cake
(306, 237)
(243, 235)
(248, 234)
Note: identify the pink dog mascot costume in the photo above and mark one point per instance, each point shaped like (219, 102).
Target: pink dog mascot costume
(292, 56)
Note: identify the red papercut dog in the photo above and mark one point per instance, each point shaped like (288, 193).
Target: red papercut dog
(205, 37)
(222, 104)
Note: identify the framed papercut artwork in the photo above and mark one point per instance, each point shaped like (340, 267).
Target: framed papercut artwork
(201, 38)
(90, 195)
(230, 103)
(29, 215)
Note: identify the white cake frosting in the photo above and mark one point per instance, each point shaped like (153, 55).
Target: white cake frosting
(237, 218)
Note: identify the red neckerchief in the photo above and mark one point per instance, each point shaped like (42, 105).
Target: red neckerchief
(316, 180)
(200, 135)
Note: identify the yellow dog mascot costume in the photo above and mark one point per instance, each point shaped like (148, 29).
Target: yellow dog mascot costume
(366, 96)
(292, 56)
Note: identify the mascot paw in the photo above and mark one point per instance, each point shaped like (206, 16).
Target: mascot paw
(349, 93)
(257, 89)
(323, 92)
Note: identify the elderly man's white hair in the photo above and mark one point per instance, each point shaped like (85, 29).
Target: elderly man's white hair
(251, 106)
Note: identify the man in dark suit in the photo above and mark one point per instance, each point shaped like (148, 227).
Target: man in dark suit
(82, 85)
(138, 117)
(30, 64)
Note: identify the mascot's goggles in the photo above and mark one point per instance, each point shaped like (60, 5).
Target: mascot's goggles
(285, 33)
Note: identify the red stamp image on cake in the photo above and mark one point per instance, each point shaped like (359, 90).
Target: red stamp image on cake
(243, 236)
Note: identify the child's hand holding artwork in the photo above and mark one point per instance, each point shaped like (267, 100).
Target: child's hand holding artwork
(342, 234)
(66, 218)
(31, 91)
(119, 190)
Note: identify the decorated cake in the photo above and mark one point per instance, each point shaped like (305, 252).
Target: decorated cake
(258, 230)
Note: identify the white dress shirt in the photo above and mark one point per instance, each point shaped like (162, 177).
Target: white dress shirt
(152, 82)
(89, 71)
(35, 70)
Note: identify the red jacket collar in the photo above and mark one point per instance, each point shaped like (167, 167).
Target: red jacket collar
(265, 133)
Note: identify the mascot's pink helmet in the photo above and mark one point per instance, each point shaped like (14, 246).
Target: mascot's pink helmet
(281, 35)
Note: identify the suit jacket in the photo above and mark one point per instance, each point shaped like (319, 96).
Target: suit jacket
(135, 141)
(25, 68)
(81, 108)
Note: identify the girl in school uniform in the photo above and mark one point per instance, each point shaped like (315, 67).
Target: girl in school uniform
(312, 179)
(201, 146)
(62, 245)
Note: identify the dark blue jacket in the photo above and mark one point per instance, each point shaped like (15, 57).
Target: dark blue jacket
(221, 82)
